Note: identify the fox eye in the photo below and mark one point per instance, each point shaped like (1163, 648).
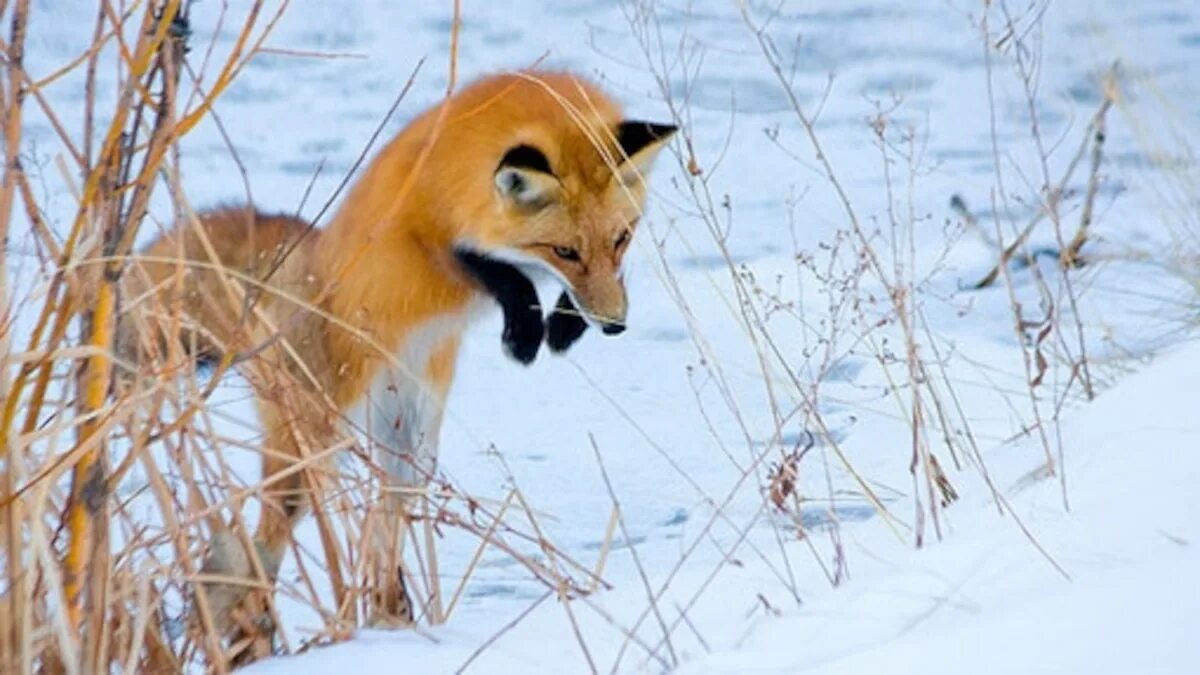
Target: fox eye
(621, 240)
(567, 253)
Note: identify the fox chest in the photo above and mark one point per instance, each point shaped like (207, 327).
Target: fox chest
(401, 412)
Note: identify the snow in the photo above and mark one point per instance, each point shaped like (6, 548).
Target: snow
(679, 406)
(985, 598)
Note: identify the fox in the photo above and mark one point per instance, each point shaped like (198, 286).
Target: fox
(517, 177)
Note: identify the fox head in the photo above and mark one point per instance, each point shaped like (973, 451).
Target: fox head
(566, 188)
(579, 227)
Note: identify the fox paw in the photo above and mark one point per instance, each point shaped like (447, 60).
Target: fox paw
(564, 326)
(523, 334)
(391, 608)
(227, 557)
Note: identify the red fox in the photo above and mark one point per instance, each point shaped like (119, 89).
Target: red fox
(517, 173)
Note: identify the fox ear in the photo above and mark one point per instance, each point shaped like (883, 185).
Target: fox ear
(640, 143)
(524, 177)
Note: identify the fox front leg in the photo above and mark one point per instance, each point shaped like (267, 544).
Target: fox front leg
(523, 325)
(564, 326)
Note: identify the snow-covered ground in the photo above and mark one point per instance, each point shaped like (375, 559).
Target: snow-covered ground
(679, 406)
(983, 601)
(986, 602)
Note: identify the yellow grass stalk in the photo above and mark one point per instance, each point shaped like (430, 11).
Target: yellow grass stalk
(12, 646)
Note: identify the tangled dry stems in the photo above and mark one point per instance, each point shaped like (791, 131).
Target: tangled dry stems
(92, 584)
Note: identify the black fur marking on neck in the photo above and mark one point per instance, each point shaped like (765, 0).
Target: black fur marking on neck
(525, 157)
(523, 326)
(634, 137)
(564, 326)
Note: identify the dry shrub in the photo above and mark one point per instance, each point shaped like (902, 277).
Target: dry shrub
(111, 496)
(116, 478)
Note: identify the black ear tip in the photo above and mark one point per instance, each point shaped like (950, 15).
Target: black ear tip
(664, 130)
(635, 136)
(652, 131)
(525, 157)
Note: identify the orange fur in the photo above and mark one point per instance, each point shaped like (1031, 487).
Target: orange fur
(373, 306)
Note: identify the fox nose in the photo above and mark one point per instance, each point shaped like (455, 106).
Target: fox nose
(613, 327)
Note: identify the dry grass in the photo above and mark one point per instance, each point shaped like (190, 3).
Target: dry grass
(115, 478)
(91, 583)
(873, 303)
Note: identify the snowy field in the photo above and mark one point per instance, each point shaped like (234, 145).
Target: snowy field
(1095, 569)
